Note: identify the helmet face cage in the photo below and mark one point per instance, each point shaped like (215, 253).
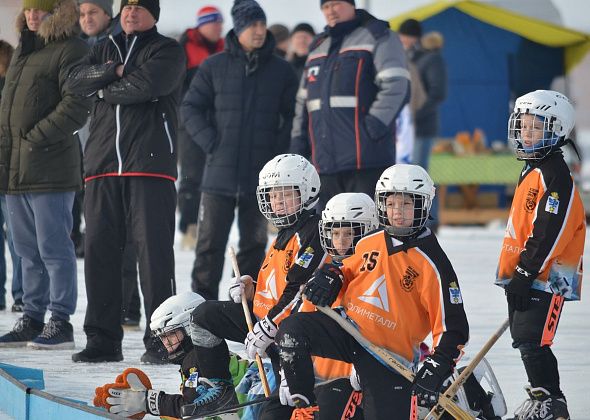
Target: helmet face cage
(402, 213)
(175, 340)
(338, 238)
(531, 135)
(286, 200)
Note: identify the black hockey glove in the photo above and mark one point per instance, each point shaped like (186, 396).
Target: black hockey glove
(323, 288)
(429, 379)
(518, 291)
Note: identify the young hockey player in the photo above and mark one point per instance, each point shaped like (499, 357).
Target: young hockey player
(541, 259)
(132, 395)
(399, 286)
(345, 220)
(288, 189)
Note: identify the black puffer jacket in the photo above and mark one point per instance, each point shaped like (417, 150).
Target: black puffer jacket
(134, 120)
(39, 150)
(239, 109)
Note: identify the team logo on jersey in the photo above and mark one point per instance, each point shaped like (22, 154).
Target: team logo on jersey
(552, 205)
(531, 200)
(270, 287)
(376, 295)
(455, 293)
(312, 74)
(192, 380)
(407, 281)
(288, 260)
(305, 258)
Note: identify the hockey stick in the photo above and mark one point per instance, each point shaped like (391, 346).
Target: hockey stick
(234, 262)
(384, 356)
(228, 410)
(437, 410)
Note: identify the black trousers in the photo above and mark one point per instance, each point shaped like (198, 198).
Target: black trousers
(215, 220)
(532, 334)
(192, 164)
(306, 334)
(146, 206)
(131, 304)
(363, 181)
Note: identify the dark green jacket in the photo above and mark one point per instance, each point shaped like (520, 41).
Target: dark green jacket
(39, 150)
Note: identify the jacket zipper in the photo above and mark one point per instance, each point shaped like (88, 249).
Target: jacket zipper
(168, 133)
(118, 108)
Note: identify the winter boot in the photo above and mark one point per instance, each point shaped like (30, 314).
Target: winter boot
(25, 329)
(212, 395)
(94, 355)
(57, 334)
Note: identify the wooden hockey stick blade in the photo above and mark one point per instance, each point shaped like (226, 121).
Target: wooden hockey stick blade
(227, 410)
(261, 372)
(448, 405)
(437, 411)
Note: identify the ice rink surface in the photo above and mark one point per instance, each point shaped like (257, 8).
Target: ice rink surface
(473, 252)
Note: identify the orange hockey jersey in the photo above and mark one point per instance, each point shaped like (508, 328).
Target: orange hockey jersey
(397, 293)
(546, 230)
(290, 262)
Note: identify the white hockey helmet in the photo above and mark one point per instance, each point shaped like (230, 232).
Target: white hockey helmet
(552, 119)
(409, 182)
(295, 184)
(348, 210)
(173, 317)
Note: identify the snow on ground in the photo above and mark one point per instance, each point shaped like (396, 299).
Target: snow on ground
(473, 252)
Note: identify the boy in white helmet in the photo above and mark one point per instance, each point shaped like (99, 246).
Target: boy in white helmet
(131, 394)
(346, 218)
(540, 263)
(288, 189)
(398, 287)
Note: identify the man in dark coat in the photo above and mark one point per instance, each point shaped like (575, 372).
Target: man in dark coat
(40, 169)
(239, 109)
(130, 169)
(198, 43)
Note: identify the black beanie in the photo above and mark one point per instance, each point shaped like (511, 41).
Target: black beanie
(244, 13)
(347, 1)
(153, 6)
(303, 27)
(411, 27)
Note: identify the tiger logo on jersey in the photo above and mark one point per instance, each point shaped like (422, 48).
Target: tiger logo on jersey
(288, 260)
(531, 200)
(407, 281)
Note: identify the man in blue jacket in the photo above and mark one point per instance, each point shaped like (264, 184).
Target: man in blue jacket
(355, 83)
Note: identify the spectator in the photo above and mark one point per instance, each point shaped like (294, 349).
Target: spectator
(97, 24)
(6, 51)
(40, 161)
(355, 84)
(433, 75)
(282, 41)
(301, 38)
(239, 109)
(198, 43)
(130, 165)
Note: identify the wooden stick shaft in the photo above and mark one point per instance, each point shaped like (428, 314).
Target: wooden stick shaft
(437, 411)
(449, 405)
(263, 379)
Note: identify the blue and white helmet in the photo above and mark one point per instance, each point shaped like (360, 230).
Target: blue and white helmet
(551, 120)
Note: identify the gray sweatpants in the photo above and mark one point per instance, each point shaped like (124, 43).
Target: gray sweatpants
(41, 224)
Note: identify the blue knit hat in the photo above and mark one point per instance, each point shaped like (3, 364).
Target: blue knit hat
(245, 13)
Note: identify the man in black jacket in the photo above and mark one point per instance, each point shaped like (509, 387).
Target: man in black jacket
(130, 169)
(239, 109)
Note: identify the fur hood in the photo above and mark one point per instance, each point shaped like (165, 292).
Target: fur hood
(61, 23)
